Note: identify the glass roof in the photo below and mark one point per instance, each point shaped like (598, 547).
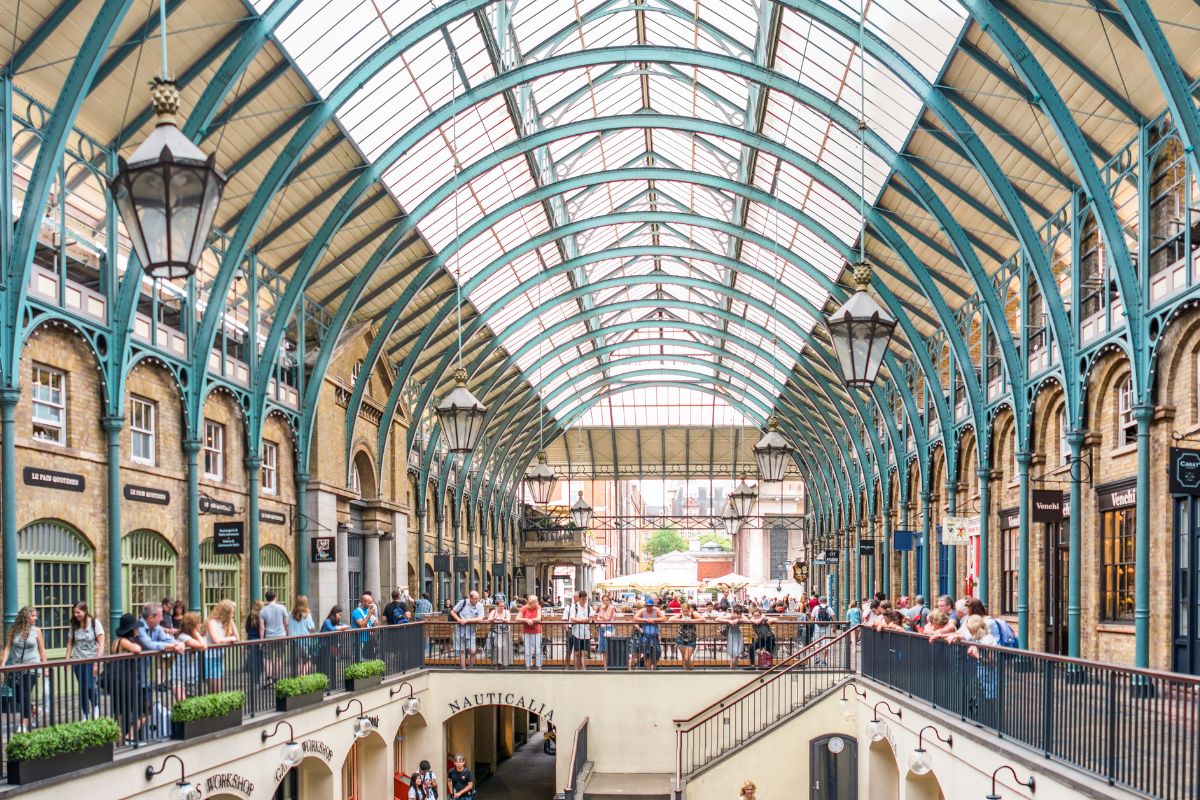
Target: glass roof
(328, 40)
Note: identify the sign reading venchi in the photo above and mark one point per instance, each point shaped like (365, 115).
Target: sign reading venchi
(503, 699)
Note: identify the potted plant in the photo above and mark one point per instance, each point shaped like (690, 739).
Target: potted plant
(59, 749)
(364, 675)
(209, 713)
(300, 692)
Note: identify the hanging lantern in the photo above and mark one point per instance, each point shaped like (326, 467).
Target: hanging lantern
(167, 193)
(742, 499)
(461, 416)
(581, 512)
(730, 519)
(861, 331)
(541, 480)
(772, 452)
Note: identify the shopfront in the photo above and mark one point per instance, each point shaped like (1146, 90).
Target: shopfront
(1048, 509)
(1117, 503)
(1185, 625)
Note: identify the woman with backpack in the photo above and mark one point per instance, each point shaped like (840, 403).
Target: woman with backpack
(85, 640)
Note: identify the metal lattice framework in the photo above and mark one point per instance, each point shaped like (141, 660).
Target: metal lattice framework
(648, 205)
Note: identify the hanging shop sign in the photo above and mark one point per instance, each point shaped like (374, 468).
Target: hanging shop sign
(831, 556)
(957, 530)
(1010, 518)
(499, 570)
(441, 562)
(866, 548)
(461, 563)
(1119, 494)
(1185, 471)
(67, 481)
(519, 572)
(324, 549)
(902, 541)
(1046, 505)
(209, 505)
(229, 538)
(272, 517)
(800, 571)
(147, 494)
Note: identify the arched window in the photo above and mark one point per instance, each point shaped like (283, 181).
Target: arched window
(54, 571)
(1064, 452)
(148, 565)
(1126, 426)
(276, 573)
(220, 577)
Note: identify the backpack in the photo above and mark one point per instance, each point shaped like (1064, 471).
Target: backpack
(824, 614)
(1004, 633)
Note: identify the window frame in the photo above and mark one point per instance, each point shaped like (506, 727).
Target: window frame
(1126, 424)
(38, 370)
(135, 431)
(1010, 555)
(1117, 557)
(269, 472)
(1064, 450)
(217, 452)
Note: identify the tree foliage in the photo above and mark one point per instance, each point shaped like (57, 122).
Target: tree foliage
(719, 539)
(663, 541)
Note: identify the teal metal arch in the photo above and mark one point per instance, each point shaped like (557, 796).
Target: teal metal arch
(672, 304)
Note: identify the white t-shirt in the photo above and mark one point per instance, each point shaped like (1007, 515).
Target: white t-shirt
(576, 613)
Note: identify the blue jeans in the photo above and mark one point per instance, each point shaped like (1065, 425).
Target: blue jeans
(85, 675)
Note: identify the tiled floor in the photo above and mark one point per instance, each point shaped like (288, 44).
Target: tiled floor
(528, 775)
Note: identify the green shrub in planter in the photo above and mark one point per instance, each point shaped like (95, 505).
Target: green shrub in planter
(365, 669)
(69, 737)
(304, 684)
(60, 749)
(207, 706)
(364, 675)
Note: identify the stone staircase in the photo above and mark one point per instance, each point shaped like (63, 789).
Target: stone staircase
(627, 786)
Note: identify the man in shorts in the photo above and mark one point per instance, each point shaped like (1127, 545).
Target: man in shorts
(579, 636)
(466, 614)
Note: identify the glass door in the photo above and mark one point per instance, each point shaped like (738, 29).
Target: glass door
(834, 761)
(1186, 635)
(1057, 559)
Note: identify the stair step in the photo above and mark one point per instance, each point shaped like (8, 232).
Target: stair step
(628, 786)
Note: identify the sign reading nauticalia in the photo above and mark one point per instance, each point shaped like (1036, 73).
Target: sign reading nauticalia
(504, 699)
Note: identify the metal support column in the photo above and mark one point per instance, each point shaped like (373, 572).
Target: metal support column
(302, 547)
(887, 551)
(952, 550)
(1075, 542)
(439, 542)
(1023, 459)
(927, 540)
(253, 472)
(112, 436)
(422, 529)
(1143, 413)
(191, 449)
(985, 497)
(8, 466)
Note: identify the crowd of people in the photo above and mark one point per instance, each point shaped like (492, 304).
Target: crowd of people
(653, 622)
(965, 620)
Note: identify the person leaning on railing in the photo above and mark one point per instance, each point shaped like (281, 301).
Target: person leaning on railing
(23, 647)
(85, 640)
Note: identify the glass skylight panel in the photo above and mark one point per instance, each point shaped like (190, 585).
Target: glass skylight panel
(542, 35)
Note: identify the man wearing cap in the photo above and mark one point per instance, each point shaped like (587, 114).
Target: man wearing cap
(647, 622)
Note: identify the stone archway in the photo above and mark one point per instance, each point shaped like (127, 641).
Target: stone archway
(923, 787)
(883, 773)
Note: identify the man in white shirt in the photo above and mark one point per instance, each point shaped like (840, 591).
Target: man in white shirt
(466, 614)
(579, 636)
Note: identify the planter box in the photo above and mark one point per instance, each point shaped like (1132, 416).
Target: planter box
(358, 684)
(39, 769)
(202, 727)
(299, 701)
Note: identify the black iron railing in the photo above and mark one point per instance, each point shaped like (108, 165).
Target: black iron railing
(579, 757)
(619, 645)
(763, 702)
(138, 691)
(1138, 729)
